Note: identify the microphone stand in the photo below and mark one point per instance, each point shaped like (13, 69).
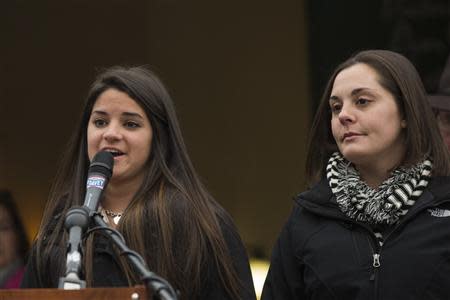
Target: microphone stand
(161, 288)
(76, 223)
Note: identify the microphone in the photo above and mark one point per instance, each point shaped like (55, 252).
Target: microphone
(77, 218)
(99, 173)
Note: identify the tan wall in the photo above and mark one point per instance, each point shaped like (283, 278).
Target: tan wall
(237, 72)
(49, 52)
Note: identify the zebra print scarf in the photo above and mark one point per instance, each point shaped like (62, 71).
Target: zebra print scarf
(384, 205)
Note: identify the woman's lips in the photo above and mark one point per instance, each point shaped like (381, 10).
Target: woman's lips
(350, 136)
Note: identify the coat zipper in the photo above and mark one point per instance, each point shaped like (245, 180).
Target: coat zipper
(376, 264)
(376, 260)
(376, 255)
(376, 252)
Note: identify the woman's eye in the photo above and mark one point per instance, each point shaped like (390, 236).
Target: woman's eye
(335, 107)
(362, 101)
(99, 122)
(131, 124)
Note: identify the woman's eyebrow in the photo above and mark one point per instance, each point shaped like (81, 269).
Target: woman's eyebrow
(132, 114)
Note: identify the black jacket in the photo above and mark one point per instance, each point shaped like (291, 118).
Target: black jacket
(322, 254)
(107, 271)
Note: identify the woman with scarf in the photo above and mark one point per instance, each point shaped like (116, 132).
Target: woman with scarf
(375, 223)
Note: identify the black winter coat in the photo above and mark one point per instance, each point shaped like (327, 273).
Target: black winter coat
(322, 254)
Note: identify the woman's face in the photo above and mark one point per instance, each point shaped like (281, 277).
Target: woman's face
(8, 239)
(366, 121)
(119, 125)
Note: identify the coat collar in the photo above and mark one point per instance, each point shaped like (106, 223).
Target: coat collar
(320, 199)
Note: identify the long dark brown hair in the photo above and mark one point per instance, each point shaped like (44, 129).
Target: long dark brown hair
(172, 221)
(397, 75)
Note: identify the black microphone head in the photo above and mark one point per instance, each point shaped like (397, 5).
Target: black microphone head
(103, 163)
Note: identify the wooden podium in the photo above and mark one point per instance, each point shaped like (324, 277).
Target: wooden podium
(129, 293)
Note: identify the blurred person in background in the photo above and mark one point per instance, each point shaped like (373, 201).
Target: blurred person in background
(13, 243)
(440, 102)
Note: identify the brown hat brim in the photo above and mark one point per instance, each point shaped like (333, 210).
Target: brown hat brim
(440, 101)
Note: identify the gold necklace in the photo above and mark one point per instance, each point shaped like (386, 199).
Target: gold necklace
(115, 216)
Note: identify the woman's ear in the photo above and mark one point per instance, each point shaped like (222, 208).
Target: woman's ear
(403, 123)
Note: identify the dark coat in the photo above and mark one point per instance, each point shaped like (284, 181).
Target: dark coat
(322, 254)
(108, 273)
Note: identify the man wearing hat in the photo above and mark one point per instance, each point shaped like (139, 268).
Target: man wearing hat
(440, 102)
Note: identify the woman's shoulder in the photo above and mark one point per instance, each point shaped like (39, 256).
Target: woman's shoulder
(439, 186)
(319, 191)
(307, 212)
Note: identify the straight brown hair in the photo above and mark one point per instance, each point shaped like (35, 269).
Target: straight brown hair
(397, 75)
(172, 221)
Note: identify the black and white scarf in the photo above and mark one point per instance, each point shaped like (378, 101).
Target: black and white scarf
(376, 207)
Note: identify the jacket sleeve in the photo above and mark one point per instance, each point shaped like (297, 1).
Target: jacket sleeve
(284, 279)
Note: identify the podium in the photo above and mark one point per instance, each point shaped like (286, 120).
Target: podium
(128, 293)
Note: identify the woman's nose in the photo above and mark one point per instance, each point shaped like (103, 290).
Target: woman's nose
(112, 132)
(346, 116)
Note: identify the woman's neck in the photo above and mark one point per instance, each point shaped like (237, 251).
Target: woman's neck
(119, 194)
(375, 174)
(373, 178)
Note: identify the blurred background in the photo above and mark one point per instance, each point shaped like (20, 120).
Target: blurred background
(246, 77)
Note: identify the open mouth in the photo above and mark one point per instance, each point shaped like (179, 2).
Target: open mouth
(114, 152)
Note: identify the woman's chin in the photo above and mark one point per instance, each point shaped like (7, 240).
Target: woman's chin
(356, 157)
